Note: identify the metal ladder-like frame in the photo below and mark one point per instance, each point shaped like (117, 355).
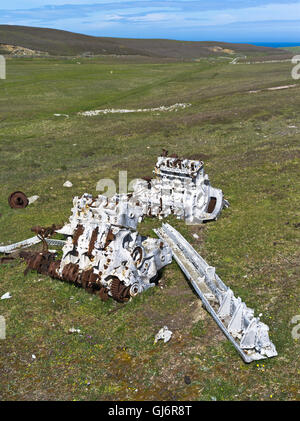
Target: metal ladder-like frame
(247, 333)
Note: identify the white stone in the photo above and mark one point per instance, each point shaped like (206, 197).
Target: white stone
(67, 184)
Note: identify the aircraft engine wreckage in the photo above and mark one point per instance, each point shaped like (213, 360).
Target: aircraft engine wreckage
(246, 332)
(181, 188)
(103, 252)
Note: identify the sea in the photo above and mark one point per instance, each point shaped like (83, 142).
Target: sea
(276, 44)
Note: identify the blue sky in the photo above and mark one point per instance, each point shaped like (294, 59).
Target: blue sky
(231, 20)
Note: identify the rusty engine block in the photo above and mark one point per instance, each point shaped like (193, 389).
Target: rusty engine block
(104, 253)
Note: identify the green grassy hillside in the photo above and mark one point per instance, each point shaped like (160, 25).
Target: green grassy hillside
(250, 146)
(57, 42)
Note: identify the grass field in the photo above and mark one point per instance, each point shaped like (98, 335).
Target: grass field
(293, 49)
(250, 143)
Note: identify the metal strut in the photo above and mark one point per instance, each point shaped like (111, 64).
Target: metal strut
(30, 242)
(247, 333)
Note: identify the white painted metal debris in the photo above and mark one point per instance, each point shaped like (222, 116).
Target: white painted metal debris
(73, 330)
(67, 184)
(164, 334)
(5, 296)
(33, 199)
(28, 243)
(102, 238)
(180, 188)
(246, 332)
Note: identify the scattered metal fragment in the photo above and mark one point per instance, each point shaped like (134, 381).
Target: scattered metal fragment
(28, 243)
(164, 334)
(181, 188)
(18, 200)
(42, 234)
(73, 330)
(22, 244)
(5, 296)
(67, 184)
(45, 232)
(32, 199)
(246, 332)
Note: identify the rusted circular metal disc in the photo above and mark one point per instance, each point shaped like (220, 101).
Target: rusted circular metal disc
(18, 200)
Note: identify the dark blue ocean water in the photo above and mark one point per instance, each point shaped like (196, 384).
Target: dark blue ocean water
(276, 44)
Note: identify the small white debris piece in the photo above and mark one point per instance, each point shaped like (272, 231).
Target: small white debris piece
(61, 115)
(6, 296)
(275, 88)
(32, 199)
(67, 184)
(164, 334)
(73, 330)
(196, 236)
(33, 357)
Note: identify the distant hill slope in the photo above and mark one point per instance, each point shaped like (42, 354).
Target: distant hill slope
(57, 42)
(295, 49)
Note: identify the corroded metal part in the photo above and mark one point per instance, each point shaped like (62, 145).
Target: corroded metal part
(39, 261)
(18, 200)
(181, 188)
(246, 332)
(44, 232)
